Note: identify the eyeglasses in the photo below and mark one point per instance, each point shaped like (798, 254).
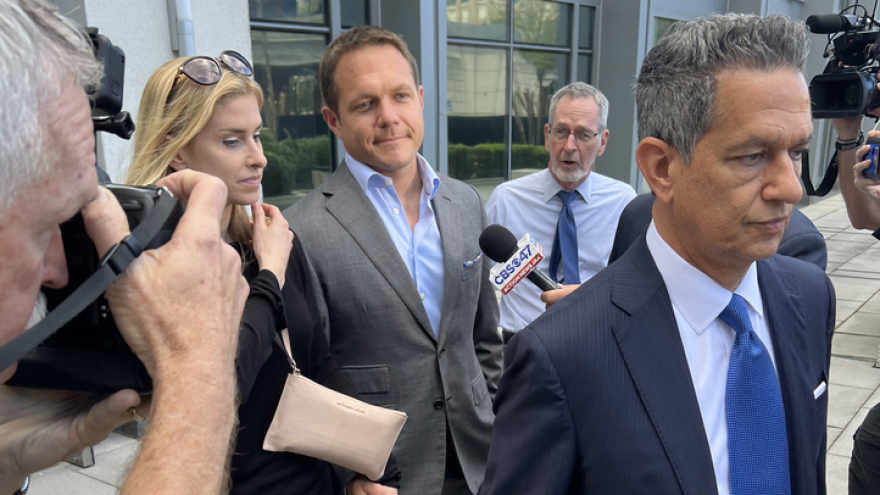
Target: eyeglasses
(582, 135)
(207, 70)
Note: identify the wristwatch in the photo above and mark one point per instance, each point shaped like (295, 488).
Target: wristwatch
(849, 144)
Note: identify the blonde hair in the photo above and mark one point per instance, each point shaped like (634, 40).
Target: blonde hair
(165, 129)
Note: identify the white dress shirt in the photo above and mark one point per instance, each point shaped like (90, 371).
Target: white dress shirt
(420, 247)
(529, 205)
(697, 300)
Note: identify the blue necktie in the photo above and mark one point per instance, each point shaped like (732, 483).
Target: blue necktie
(565, 242)
(757, 444)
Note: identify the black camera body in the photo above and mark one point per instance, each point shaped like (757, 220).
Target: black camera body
(88, 353)
(847, 87)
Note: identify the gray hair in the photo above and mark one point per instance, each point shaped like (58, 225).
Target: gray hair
(40, 53)
(582, 90)
(676, 88)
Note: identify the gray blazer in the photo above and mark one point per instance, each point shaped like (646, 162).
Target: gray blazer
(379, 332)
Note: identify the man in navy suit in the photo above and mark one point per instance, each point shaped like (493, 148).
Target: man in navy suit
(634, 383)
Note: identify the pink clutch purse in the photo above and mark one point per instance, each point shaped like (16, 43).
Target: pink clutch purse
(314, 421)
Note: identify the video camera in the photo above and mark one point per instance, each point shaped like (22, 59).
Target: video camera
(848, 86)
(88, 353)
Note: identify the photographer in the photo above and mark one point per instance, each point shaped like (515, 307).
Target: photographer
(862, 198)
(160, 304)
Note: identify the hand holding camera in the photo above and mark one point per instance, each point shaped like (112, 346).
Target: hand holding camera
(153, 301)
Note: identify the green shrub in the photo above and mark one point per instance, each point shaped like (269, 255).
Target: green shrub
(488, 159)
(291, 160)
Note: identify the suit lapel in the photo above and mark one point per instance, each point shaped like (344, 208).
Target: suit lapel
(651, 347)
(783, 309)
(450, 225)
(347, 203)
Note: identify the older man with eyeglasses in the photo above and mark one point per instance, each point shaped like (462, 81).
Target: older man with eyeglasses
(569, 209)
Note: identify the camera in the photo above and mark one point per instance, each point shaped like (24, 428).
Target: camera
(847, 87)
(88, 353)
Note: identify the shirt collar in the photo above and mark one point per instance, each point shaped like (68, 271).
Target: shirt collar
(697, 297)
(551, 187)
(363, 174)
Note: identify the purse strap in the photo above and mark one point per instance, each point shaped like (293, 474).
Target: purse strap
(285, 346)
(112, 265)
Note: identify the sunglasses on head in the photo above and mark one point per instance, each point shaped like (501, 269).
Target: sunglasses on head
(207, 70)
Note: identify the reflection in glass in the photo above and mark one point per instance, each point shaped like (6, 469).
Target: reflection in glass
(585, 29)
(536, 76)
(541, 23)
(354, 13)
(480, 19)
(302, 11)
(476, 88)
(296, 140)
(585, 68)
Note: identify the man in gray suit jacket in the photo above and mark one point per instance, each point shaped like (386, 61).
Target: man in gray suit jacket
(404, 292)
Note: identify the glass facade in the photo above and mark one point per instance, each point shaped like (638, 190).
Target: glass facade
(477, 19)
(296, 141)
(298, 11)
(476, 93)
(288, 40)
(661, 25)
(504, 60)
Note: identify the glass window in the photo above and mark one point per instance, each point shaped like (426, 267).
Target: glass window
(476, 90)
(354, 13)
(296, 140)
(301, 11)
(541, 23)
(479, 19)
(585, 29)
(536, 76)
(661, 25)
(585, 68)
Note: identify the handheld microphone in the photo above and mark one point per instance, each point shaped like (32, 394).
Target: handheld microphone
(516, 260)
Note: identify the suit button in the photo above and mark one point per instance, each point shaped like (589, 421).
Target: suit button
(438, 404)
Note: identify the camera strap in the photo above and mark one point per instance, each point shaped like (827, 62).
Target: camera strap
(827, 181)
(112, 265)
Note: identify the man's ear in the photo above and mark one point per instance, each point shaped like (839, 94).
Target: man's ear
(331, 119)
(547, 136)
(654, 158)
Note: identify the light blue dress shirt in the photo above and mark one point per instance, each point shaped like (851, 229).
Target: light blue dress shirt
(530, 205)
(421, 247)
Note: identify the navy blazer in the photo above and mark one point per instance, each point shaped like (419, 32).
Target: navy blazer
(801, 238)
(597, 397)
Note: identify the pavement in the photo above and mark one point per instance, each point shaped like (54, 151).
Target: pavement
(854, 382)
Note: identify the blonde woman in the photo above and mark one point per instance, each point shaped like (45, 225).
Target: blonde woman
(203, 113)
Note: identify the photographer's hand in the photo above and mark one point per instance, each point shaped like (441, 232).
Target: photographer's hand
(863, 212)
(273, 240)
(179, 308)
(868, 187)
(40, 428)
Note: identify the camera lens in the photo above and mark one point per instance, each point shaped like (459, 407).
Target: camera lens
(851, 95)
